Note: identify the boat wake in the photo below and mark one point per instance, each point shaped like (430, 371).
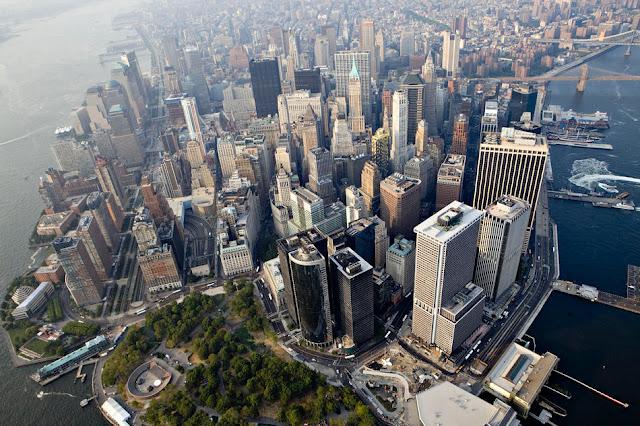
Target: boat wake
(42, 394)
(26, 135)
(592, 174)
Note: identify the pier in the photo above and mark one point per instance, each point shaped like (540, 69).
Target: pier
(602, 394)
(592, 145)
(595, 295)
(594, 200)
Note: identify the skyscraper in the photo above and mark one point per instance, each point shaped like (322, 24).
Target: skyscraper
(356, 118)
(450, 53)
(401, 262)
(265, 84)
(399, 203)
(447, 306)
(352, 283)
(81, 277)
(293, 107)
(109, 181)
(489, 120)
(502, 233)
(370, 180)
(194, 154)
(450, 180)
(407, 43)
(368, 43)
(430, 100)
(308, 79)
(171, 177)
(308, 275)
(344, 64)
(414, 87)
(195, 72)
(192, 118)
(511, 163)
(307, 209)
(123, 138)
(355, 204)
(399, 130)
(523, 99)
(95, 244)
(321, 174)
(460, 135)
(380, 151)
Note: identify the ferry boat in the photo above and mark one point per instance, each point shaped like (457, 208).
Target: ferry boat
(556, 115)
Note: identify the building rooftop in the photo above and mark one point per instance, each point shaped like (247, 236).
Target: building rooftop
(400, 183)
(307, 195)
(453, 166)
(445, 404)
(517, 138)
(468, 295)
(507, 207)
(446, 223)
(350, 263)
(402, 247)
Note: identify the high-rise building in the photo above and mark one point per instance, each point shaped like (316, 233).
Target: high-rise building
(192, 118)
(355, 203)
(460, 135)
(370, 180)
(368, 43)
(511, 163)
(307, 209)
(195, 72)
(356, 118)
(523, 99)
(321, 54)
(489, 120)
(352, 283)
(450, 180)
(502, 233)
(81, 277)
(430, 97)
(401, 262)
(309, 281)
(308, 79)
(155, 202)
(128, 78)
(321, 174)
(342, 139)
(447, 306)
(226, 150)
(399, 203)
(171, 81)
(159, 269)
(265, 83)
(424, 169)
(95, 244)
(109, 181)
(407, 43)
(108, 215)
(194, 154)
(171, 177)
(344, 64)
(414, 87)
(293, 107)
(399, 130)
(123, 138)
(450, 53)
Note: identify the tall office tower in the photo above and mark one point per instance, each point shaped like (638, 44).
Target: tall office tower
(407, 43)
(308, 79)
(450, 53)
(447, 306)
(321, 174)
(352, 284)
(145, 232)
(171, 81)
(368, 43)
(96, 109)
(422, 138)
(370, 181)
(399, 203)
(131, 60)
(460, 26)
(430, 79)
(276, 37)
(450, 180)
(308, 275)
(194, 154)
(89, 231)
(283, 186)
(310, 130)
(460, 135)
(414, 87)
(489, 120)
(380, 49)
(307, 209)
(108, 180)
(283, 158)
(195, 72)
(399, 128)
(103, 208)
(523, 99)
(154, 201)
(356, 206)
(169, 138)
(170, 52)
(175, 112)
(192, 118)
(123, 137)
(294, 51)
(226, 149)
(81, 277)
(321, 53)
(423, 169)
(511, 163)
(344, 64)
(500, 241)
(342, 139)
(401, 262)
(171, 177)
(124, 75)
(265, 84)
(331, 33)
(159, 269)
(356, 119)
(293, 107)
(73, 156)
(380, 148)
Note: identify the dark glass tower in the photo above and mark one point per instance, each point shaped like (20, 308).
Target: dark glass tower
(265, 83)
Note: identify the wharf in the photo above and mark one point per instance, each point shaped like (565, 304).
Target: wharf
(633, 282)
(592, 145)
(595, 295)
(595, 200)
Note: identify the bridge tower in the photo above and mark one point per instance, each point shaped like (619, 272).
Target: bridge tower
(584, 76)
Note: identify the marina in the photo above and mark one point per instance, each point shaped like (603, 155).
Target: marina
(594, 295)
(578, 144)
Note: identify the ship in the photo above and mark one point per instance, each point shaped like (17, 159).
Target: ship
(556, 115)
(62, 132)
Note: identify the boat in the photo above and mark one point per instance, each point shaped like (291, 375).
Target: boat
(624, 206)
(63, 131)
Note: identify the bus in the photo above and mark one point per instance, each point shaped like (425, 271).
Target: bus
(387, 335)
(349, 357)
(141, 311)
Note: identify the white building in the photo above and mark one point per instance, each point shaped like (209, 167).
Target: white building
(274, 280)
(191, 116)
(292, 107)
(502, 232)
(401, 262)
(34, 301)
(115, 413)
(356, 207)
(400, 106)
(451, 53)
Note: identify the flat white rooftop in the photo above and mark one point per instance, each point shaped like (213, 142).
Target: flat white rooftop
(446, 223)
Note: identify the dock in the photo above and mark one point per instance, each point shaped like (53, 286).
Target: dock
(633, 282)
(595, 295)
(594, 200)
(591, 145)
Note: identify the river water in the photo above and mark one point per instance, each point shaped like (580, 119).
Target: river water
(597, 344)
(44, 70)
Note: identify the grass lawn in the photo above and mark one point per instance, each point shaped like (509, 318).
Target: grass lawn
(39, 346)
